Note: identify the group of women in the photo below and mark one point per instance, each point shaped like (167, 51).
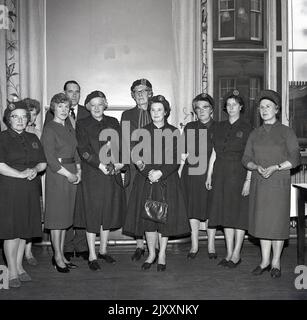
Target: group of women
(245, 189)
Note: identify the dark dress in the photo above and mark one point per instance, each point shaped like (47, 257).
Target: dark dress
(103, 198)
(177, 223)
(269, 200)
(227, 207)
(59, 142)
(194, 187)
(20, 210)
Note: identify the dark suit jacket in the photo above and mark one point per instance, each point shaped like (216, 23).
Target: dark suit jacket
(82, 114)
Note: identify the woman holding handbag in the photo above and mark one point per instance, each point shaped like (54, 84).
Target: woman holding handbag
(156, 205)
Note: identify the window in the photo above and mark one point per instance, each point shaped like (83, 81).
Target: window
(256, 20)
(226, 19)
(254, 89)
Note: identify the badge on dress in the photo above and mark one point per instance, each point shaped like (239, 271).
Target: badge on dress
(239, 134)
(34, 145)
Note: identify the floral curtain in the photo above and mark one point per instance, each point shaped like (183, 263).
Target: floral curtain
(22, 52)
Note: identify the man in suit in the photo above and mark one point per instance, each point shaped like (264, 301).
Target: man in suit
(139, 116)
(75, 239)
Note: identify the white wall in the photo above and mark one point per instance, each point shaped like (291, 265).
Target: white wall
(107, 44)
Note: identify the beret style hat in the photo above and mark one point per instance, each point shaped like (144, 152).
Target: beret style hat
(13, 106)
(204, 97)
(94, 94)
(139, 82)
(270, 95)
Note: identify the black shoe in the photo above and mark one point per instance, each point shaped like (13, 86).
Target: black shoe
(275, 273)
(161, 267)
(106, 257)
(68, 255)
(71, 265)
(192, 255)
(223, 263)
(58, 268)
(94, 265)
(83, 254)
(258, 271)
(146, 265)
(212, 255)
(232, 264)
(138, 253)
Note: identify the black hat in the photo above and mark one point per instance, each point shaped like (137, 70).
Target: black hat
(94, 94)
(203, 97)
(139, 82)
(270, 95)
(13, 106)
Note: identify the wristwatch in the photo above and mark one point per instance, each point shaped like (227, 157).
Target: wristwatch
(279, 167)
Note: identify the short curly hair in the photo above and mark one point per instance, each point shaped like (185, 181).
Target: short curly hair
(203, 97)
(14, 106)
(161, 99)
(32, 104)
(58, 98)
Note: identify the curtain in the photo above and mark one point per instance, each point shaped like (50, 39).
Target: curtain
(187, 58)
(22, 53)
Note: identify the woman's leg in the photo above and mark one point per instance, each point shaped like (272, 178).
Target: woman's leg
(91, 237)
(211, 239)
(10, 250)
(104, 236)
(20, 254)
(277, 250)
(28, 250)
(194, 223)
(151, 238)
(229, 237)
(162, 252)
(62, 239)
(265, 252)
(239, 238)
(56, 244)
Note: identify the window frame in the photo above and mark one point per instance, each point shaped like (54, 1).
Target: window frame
(220, 38)
(260, 17)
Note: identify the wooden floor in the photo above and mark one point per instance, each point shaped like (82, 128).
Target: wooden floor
(200, 279)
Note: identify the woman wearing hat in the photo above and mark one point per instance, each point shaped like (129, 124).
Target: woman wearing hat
(21, 158)
(62, 176)
(195, 192)
(271, 151)
(161, 181)
(228, 180)
(104, 198)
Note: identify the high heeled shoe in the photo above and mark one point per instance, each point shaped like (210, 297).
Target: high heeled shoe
(258, 271)
(161, 267)
(58, 268)
(192, 255)
(71, 265)
(212, 255)
(146, 265)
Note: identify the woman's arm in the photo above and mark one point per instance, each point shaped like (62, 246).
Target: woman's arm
(210, 169)
(8, 171)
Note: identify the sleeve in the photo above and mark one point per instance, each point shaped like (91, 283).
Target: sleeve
(2, 149)
(293, 149)
(248, 155)
(77, 157)
(85, 149)
(48, 142)
(41, 154)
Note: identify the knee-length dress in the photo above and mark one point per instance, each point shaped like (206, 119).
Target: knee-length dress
(103, 198)
(20, 210)
(194, 188)
(59, 142)
(269, 200)
(177, 222)
(227, 206)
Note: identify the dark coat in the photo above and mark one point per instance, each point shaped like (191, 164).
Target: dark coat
(177, 223)
(103, 198)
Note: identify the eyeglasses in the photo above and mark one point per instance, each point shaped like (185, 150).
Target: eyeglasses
(261, 108)
(205, 108)
(15, 117)
(140, 91)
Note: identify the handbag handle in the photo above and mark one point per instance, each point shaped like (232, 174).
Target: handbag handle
(162, 193)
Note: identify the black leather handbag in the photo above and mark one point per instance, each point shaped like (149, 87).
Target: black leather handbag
(156, 210)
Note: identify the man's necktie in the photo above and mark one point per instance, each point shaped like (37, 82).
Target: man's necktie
(72, 114)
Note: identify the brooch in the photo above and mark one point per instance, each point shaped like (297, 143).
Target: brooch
(86, 155)
(34, 145)
(239, 134)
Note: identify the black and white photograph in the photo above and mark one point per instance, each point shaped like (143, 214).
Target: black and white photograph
(153, 153)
